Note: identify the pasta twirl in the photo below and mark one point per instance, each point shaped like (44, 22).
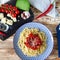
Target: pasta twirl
(28, 51)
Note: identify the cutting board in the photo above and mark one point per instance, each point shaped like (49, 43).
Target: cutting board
(16, 25)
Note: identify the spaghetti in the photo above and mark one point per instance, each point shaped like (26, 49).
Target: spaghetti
(29, 51)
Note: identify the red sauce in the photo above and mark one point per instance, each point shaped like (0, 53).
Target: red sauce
(33, 41)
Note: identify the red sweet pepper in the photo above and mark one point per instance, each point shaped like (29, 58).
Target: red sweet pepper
(47, 11)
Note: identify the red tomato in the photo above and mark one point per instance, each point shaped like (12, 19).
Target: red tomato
(9, 9)
(14, 15)
(9, 12)
(2, 10)
(14, 8)
(6, 11)
(6, 5)
(10, 6)
(2, 5)
(17, 12)
(33, 41)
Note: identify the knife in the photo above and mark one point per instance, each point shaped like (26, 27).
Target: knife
(58, 38)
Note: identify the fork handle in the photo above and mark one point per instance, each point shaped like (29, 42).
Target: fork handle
(58, 39)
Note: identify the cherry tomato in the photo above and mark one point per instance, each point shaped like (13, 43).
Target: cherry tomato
(11, 12)
(14, 8)
(6, 5)
(2, 10)
(14, 15)
(10, 6)
(9, 9)
(17, 12)
(33, 41)
(2, 5)
(6, 11)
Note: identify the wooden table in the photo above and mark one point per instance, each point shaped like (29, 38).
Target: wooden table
(7, 51)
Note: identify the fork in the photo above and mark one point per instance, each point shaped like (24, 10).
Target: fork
(58, 38)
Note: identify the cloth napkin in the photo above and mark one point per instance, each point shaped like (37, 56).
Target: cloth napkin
(3, 1)
(42, 5)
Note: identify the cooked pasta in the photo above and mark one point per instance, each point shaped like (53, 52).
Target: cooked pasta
(28, 51)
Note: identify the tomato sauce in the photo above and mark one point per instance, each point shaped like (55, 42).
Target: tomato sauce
(33, 41)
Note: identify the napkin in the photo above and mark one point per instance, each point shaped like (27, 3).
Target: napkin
(3, 1)
(42, 5)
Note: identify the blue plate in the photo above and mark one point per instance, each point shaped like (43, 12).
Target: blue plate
(49, 41)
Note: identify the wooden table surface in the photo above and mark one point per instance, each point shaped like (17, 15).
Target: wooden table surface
(7, 51)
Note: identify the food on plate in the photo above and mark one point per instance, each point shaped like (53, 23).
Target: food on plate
(1, 15)
(6, 20)
(9, 22)
(6, 8)
(8, 14)
(3, 20)
(25, 15)
(32, 41)
(3, 27)
(23, 4)
(13, 18)
(2, 34)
